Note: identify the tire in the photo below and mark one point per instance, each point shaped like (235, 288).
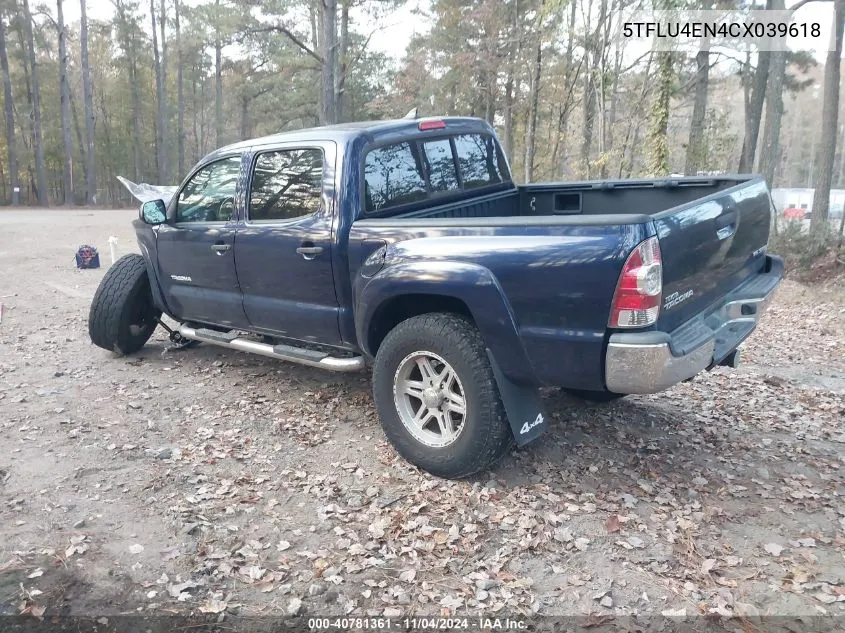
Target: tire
(123, 316)
(597, 397)
(482, 436)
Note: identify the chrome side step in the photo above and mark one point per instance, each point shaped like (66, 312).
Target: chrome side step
(299, 355)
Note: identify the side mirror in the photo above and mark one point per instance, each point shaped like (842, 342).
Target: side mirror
(153, 212)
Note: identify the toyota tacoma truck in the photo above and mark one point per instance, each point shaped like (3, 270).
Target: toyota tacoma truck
(406, 246)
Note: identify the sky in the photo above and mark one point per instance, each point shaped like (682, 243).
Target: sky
(397, 27)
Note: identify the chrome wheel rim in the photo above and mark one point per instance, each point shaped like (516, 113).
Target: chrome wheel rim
(430, 399)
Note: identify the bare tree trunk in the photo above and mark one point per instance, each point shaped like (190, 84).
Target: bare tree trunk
(328, 40)
(159, 127)
(195, 110)
(9, 110)
(754, 109)
(697, 144)
(343, 61)
(514, 48)
(592, 62)
(180, 96)
(508, 138)
(136, 115)
(532, 113)
(245, 116)
(88, 98)
(64, 111)
(830, 109)
(589, 114)
(841, 178)
(658, 142)
(37, 141)
(164, 110)
(218, 81)
(770, 148)
(77, 133)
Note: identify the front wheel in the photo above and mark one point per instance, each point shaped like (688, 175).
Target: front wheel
(437, 397)
(123, 316)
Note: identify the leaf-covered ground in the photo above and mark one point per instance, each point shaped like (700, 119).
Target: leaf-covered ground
(210, 481)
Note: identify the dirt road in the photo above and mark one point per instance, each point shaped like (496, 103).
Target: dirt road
(210, 480)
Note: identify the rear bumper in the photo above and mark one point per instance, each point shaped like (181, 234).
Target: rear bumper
(648, 362)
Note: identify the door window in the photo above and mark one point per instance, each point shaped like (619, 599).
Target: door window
(209, 196)
(392, 177)
(286, 184)
(441, 165)
(480, 163)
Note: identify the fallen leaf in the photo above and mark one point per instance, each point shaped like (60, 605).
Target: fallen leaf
(773, 548)
(213, 606)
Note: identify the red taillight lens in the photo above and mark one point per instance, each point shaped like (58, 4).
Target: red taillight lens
(636, 302)
(436, 124)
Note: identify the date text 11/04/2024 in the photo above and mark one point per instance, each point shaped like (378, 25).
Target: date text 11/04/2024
(417, 623)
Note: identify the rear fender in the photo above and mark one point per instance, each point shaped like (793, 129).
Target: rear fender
(472, 284)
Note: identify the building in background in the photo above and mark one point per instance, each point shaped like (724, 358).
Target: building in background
(798, 198)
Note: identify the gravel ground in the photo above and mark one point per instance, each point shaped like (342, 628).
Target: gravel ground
(210, 481)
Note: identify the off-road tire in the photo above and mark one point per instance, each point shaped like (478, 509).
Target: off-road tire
(598, 397)
(123, 316)
(486, 435)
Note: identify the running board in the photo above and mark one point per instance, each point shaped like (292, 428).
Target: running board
(299, 355)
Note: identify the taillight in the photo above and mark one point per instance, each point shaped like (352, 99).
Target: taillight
(636, 302)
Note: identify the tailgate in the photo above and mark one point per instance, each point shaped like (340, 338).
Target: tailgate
(710, 246)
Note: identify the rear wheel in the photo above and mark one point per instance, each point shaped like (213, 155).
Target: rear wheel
(123, 316)
(595, 396)
(437, 397)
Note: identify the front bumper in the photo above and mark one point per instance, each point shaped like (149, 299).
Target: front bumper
(648, 362)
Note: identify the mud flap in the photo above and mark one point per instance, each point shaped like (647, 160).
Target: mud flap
(523, 406)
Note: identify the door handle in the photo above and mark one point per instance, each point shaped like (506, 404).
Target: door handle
(726, 219)
(309, 251)
(221, 248)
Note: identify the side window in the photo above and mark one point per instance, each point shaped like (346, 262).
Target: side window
(478, 160)
(286, 184)
(392, 177)
(441, 166)
(209, 196)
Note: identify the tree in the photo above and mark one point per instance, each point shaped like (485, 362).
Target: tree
(180, 94)
(88, 98)
(9, 111)
(218, 78)
(697, 145)
(830, 109)
(161, 161)
(164, 110)
(328, 48)
(658, 141)
(41, 192)
(64, 97)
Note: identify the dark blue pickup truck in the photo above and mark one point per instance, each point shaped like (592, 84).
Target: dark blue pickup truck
(405, 245)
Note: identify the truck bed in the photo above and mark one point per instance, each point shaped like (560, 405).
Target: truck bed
(588, 198)
(556, 251)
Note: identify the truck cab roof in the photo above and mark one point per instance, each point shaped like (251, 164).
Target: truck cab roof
(372, 131)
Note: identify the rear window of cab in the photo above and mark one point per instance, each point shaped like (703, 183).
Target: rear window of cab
(416, 170)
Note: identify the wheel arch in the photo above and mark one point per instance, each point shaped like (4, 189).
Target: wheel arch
(410, 289)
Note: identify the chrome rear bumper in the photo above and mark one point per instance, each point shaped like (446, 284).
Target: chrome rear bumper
(648, 362)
